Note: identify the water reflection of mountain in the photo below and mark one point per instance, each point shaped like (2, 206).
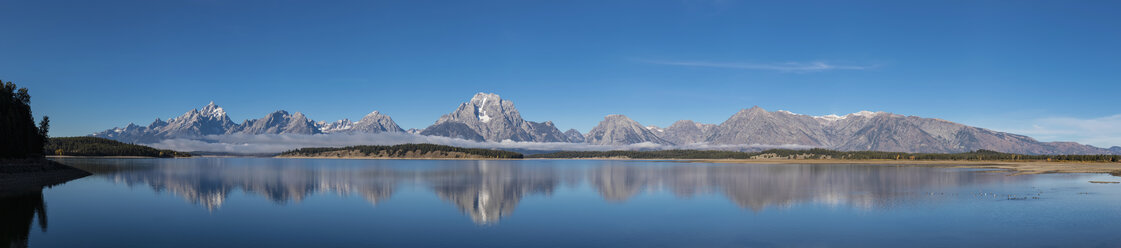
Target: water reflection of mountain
(209, 184)
(756, 187)
(490, 190)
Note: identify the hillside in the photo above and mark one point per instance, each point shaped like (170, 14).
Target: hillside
(400, 151)
(93, 146)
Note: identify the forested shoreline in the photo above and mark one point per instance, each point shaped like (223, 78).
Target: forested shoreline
(401, 151)
(93, 146)
(22, 165)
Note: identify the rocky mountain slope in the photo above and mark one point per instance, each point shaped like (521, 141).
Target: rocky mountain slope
(876, 131)
(686, 132)
(574, 136)
(618, 129)
(212, 120)
(279, 122)
(375, 122)
(487, 117)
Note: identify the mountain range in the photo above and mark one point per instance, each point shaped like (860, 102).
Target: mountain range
(487, 117)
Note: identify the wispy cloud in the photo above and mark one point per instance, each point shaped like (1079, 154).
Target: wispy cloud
(815, 66)
(1101, 132)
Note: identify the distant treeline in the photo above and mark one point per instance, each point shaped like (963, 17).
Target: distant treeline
(93, 146)
(825, 154)
(660, 154)
(19, 137)
(402, 150)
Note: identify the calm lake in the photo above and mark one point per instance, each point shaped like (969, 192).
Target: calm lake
(212, 202)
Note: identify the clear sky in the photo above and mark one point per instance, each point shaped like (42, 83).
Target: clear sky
(1049, 69)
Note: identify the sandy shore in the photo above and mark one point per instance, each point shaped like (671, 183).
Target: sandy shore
(1020, 167)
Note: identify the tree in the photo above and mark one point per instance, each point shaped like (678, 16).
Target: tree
(44, 125)
(19, 137)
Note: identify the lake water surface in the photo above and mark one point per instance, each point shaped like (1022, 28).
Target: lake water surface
(211, 202)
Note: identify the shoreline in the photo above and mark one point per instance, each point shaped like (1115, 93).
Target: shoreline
(390, 158)
(71, 156)
(22, 175)
(1017, 167)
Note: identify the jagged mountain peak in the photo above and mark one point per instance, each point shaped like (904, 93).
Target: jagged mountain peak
(212, 110)
(157, 124)
(750, 112)
(686, 132)
(374, 122)
(616, 117)
(489, 117)
(574, 136)
(620, 130)
(281, 122)
(373, 117)
(299, 115)
(485, 96)
(862, 113)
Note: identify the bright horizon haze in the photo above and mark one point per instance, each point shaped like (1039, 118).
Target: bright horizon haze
(1045, 69)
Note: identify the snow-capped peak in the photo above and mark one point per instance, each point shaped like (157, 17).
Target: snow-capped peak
(830, 117)
(482, 114)
(655, 128)
(212, 110)
(862, 113)
(865, 113)
(337, 126)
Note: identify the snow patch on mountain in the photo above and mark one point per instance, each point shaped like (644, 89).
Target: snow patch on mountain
(833, 117)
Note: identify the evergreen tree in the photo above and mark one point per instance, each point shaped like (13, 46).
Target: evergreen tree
(19, 137)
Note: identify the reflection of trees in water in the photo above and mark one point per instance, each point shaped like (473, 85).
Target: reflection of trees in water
(490, 190)
(17, 213)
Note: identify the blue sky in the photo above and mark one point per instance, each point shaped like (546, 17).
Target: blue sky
(1043, 68)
